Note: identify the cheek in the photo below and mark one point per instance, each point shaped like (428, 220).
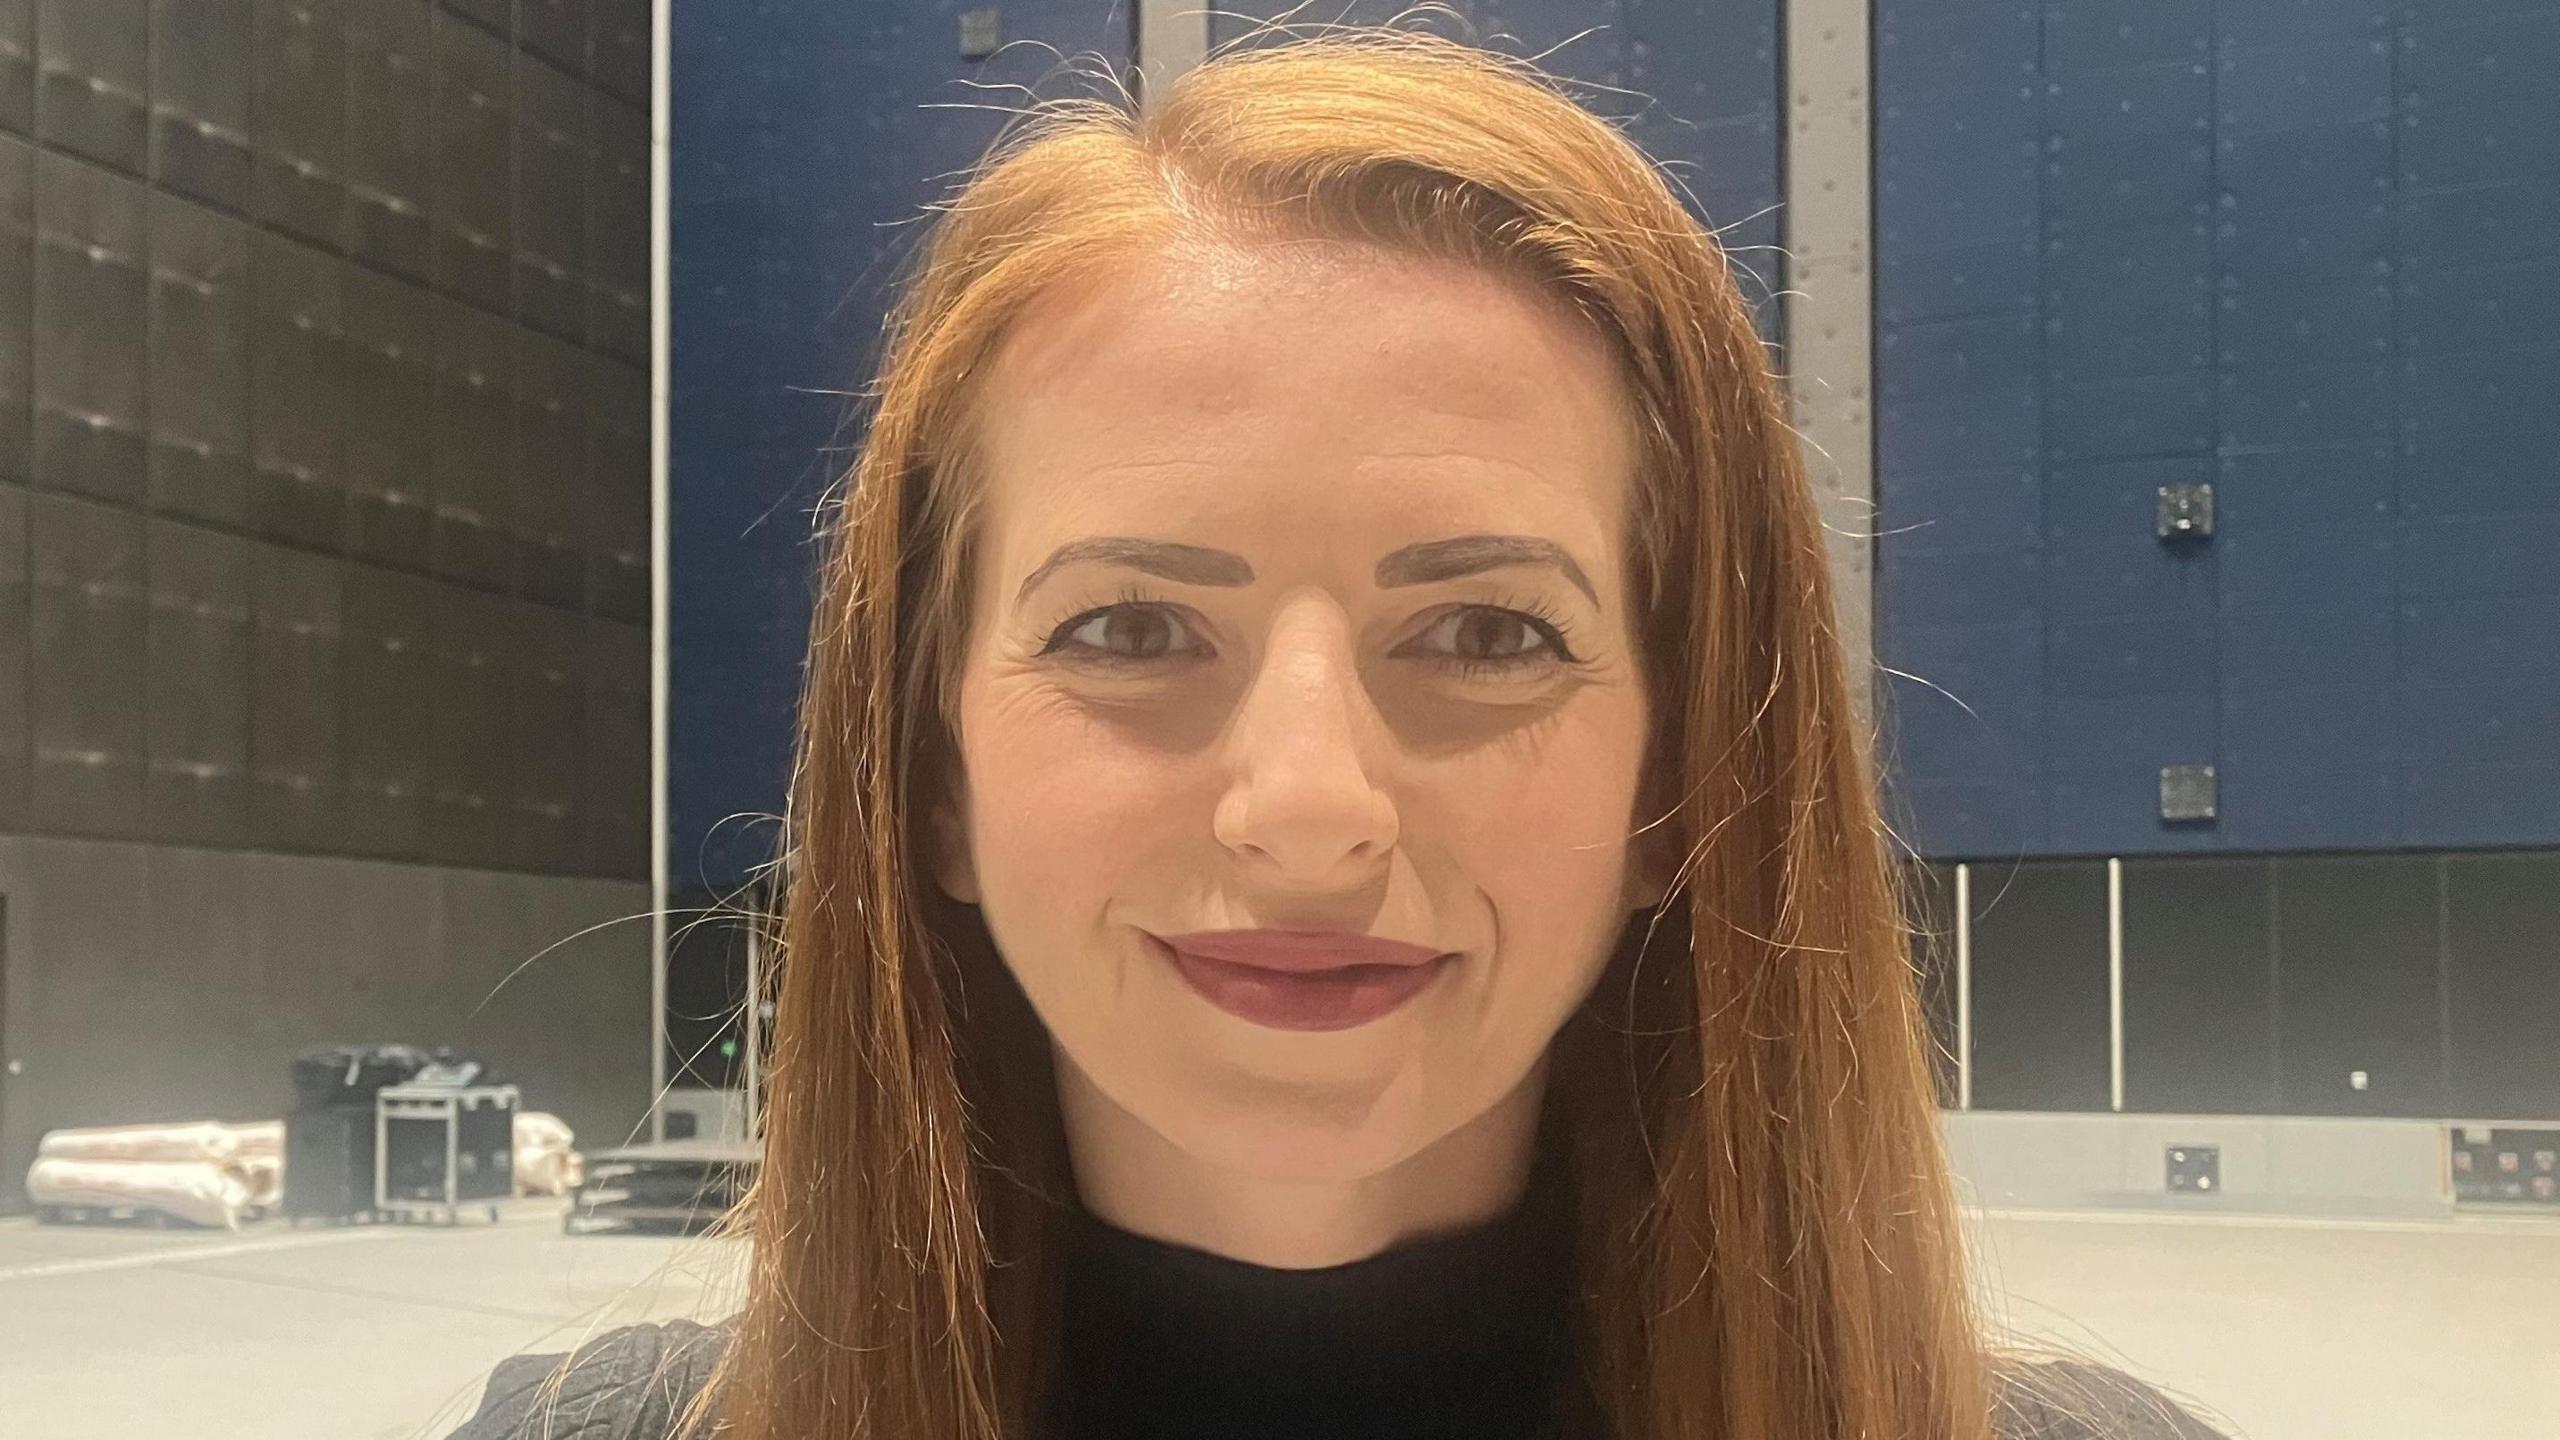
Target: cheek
(1056, 799)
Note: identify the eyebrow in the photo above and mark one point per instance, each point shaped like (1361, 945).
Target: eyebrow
(1419, 564)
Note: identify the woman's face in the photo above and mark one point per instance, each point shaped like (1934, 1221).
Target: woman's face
(1270, 703)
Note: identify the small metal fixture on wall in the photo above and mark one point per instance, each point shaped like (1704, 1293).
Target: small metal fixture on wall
(2186, 510)
(2188, 792)
(981, 33)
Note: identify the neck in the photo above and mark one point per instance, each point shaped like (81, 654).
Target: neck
(1129, 1175)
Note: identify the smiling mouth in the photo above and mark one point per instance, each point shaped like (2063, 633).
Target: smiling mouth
(1335, 998)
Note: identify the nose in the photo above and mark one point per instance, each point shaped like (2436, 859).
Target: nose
(1305, 805)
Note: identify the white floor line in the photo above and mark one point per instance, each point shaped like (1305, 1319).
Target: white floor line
(177, 1255)
(2450, 1225)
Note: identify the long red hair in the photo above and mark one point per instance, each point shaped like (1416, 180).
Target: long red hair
(1767, 1243)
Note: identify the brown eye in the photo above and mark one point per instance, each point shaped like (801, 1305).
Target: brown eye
(1118, 632)
(1488, 640)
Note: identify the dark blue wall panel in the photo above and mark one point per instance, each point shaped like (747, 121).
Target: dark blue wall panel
(2305, 250)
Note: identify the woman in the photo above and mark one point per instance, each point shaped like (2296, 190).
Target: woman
(1335, 887)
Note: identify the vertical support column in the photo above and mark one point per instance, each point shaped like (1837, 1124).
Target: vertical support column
(2115, 982)
(1173, 36)
(1830, 299)
(1964, 987)
(661, 68)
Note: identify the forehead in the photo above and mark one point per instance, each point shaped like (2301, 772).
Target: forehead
(1308, 390)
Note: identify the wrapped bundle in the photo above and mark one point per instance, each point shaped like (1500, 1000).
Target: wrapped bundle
(207, 1192)
(546, 1163)
(198, 1140)
(259, 1138)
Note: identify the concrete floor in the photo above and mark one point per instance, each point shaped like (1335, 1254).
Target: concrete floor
(2280, 1328)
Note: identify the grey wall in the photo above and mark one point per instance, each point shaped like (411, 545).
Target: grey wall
(324, 531)
(163, 983)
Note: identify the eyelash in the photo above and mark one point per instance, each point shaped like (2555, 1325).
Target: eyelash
(1540, 617)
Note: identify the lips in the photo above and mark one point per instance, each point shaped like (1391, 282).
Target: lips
(1302, 980)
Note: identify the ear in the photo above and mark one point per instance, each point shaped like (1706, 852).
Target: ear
(955, 868)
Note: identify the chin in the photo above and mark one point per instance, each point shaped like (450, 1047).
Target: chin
(1300, 1129)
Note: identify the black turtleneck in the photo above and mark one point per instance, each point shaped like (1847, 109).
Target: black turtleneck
(1457, 1335)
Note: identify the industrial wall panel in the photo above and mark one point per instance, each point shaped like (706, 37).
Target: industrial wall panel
(2171, 98)
(548, 724)
(2298, 86)
(1957, 587)
(2477, 805)
(554, 409)
(299, 661)
(2040, 987)
(1986, 509)
(473, 229)
(300, 61)
(2267, 729)
(618, 234)
(2293, 807)
(2482, 224)
(614, 776)
(469, 749)
(196, 789)
(2199, 1008)
(1956, 169)
(475, 420)
(2281, 567)
(2326, 404)
(199, 378)
(2277, 247)
(86, 670)
(2094, 350)
(2115, 812)
(555, 30)
(2357, 986)
(618, 507)
(2476, 639)
(1967, 700)
(2081, 35)
(91, 326)
(1988, 425)
(2299, 326)
(15, 620)
(2121, 576)
(1999, 819)
(2490, 554)
(2511, 306)
(2147, 415)
(1956, 280)
(391, 136)
(2283, 170)
(93, 74)
(2510, 723)
(2301, 487)
(2339, 646)
(554, 162)
(18, 65)
(17, 302)
(297, 392)
(2462, 395)
(497, 15)
(2278, 22)
(2099, 658)
(387, 734)
(2086, 733)
(2094, 187)
(618, 47)
(2479, 99)
(1929, 358)
(1924, 49)
(201, 80)
(2500, 912)
(390, 432)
